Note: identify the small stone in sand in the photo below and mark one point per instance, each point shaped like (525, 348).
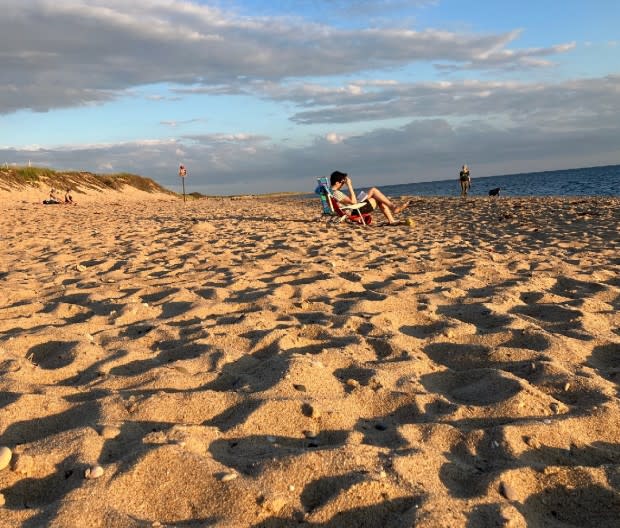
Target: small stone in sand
(554, 407)
(274, 504)
(2, 500)
(316, 414)
(299, 387)
(310, 411)
(566, 386)
(5, 457)
(227, 477)
(532, 442)
(508, 491)
(108, 432)
(93, 472)
(79, 267)
(22, 464)
(353, 383)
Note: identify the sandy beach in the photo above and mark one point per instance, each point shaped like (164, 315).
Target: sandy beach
(244, 363)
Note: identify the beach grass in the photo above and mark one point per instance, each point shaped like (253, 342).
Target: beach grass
(77, 181)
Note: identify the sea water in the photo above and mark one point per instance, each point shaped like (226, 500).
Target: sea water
(593, 181)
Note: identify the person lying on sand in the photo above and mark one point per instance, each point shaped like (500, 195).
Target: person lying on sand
(53, 198)
(374, 197)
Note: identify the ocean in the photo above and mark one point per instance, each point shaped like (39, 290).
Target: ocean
(593, 181)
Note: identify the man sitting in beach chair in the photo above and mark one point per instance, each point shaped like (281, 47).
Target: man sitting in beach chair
(331, 206)
(364, 202)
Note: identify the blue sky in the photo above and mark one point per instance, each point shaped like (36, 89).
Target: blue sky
(258, 95)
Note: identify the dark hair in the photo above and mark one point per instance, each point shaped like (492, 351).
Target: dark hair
(337, 177)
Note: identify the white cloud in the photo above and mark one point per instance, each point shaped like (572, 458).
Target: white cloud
(334, 138)
(114, 45)
(548, 105)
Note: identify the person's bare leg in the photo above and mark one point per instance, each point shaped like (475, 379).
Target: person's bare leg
(381, 198)
(387, 212)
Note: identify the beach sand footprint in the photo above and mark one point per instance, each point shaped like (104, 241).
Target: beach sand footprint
(53, 355)
(478, 387)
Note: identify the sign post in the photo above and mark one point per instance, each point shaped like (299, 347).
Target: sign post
(182, 174)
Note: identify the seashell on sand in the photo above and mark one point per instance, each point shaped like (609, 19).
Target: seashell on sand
(5, 457)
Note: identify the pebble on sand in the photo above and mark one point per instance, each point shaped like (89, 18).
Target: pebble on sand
(5, 457)
(273, 504)
(108, 432)
(311, 411)
(508, 491)
(93, 472)
(353, 383)
(227, 477)
(22, 464)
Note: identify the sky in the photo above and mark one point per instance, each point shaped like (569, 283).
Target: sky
(260, 96)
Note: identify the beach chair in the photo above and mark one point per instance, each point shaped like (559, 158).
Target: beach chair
(331, 206)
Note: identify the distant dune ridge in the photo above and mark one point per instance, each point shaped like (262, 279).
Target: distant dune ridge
(36, 182)
(244, 363)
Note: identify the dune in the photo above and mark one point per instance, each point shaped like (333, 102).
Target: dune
(245, 362)
(33, 185)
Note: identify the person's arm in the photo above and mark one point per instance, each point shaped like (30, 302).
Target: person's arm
(353, 198)
(344, 199)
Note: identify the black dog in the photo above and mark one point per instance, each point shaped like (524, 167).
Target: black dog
(494, 192)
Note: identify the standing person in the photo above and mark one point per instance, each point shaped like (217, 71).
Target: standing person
(465, 180)
(374, 197)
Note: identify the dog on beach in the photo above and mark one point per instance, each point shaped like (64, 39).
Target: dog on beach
(494, 192)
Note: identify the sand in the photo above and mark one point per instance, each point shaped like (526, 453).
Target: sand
(237, 363)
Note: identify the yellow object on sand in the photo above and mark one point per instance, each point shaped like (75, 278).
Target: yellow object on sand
(410, 222)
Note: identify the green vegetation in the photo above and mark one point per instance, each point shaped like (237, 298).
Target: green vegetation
(33, 174)
(15, 177)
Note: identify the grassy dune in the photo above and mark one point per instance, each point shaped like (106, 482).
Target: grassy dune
(18, 178)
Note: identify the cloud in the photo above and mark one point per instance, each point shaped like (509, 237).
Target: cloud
(421, 150)
(506, 59)
(334, 138)
(552, 105)
(174, 124)
(61, 54)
